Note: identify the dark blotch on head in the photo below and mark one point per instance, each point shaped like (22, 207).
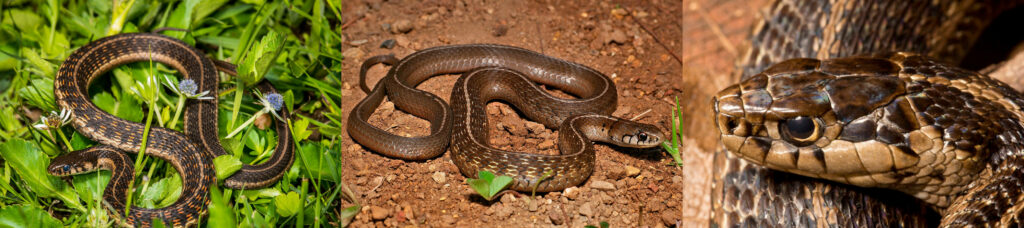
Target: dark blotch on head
(856, 96)
(859, 130)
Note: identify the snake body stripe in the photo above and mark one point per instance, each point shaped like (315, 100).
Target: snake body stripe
(596, 91)
(187, 153)
(824, 30)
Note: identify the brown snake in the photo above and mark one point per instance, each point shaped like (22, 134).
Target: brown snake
(858, 120)
(470, 150)
(190, 153)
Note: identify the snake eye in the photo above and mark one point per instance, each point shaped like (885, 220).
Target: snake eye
(642, 137)
(65, 168)
(801, 130)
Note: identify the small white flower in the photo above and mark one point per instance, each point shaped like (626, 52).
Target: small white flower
(54, 120)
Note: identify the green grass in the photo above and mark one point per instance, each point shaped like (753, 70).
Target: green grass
(674, 146)
(296, 45)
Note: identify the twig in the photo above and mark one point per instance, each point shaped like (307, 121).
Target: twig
(352, 21)
(655, 38)
(640, 115)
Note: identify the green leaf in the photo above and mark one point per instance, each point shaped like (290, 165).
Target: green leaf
(26, 216)
(40, 94)
(288, 204)
(254, 66)
(348, 214)
(500, 183)
(300, 129)
(317, 162)
(226, 165)
(44, 67)
(30, 164)
(221, 214)
(90, 186)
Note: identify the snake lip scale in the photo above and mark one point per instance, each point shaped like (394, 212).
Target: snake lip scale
(190, 152)
(505, 73)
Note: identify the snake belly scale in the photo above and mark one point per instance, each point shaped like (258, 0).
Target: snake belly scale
(596, 92)
(190, 153)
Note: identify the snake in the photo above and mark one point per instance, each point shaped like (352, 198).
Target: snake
(828, 126)
(190, 152)
(492, 71)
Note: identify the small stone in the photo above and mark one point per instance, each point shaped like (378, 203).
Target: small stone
(358, 42)
(619, 12)
(677, 179)
(354, 53)
(534, 127)
(617, 36)
(532, 206)
(547, 144)
(388, 44)
(402, 41)
(401, 26)
(632, 171)
(379, 213)
(602, 185)
(556, 216)
(587, 209)
(571, 192)
(513, 128)
(615, 173)
(499, 31)
(670, 217)
(439, 177)
(503, 211)
(655, 204)
(508, 198)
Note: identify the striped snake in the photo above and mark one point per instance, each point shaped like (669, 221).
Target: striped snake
(939, 135)
(190, 153)
(497, 72)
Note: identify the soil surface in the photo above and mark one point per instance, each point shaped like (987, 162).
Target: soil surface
(629, 188)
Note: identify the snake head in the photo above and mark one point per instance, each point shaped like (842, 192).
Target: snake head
(77, 162)
(632, 134)
(900, 121)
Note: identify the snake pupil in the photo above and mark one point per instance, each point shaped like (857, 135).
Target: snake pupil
(800, 128)
(642, 137)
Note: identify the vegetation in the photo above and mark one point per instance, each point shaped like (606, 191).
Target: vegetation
(487, 185)
(294, 44)
(675, 146)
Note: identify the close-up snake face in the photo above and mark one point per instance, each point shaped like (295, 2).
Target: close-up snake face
(898, 123)
(635, 135)
(70, 165)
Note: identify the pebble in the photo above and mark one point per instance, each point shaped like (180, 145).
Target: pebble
(632, 171)
(587, 209)
(358, 42)
(655, 204)
(402, 41)
(388, 44)
(354, 53)
(499, 31)
(439, 177)
(602, 185)
(669, 217)
(677, 179)
(556, 216)
(508, 198)
(502, 211)
(534, 127)
(514, 129)
(378, 213)
(547, 144)
(401, 26)
(619, 12)
(616, 172)
(571, 192)
(617, 36)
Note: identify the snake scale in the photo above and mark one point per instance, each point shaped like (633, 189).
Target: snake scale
(498, 72)
(820, 99)
(190, 153)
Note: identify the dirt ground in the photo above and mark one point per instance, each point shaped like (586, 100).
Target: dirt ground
(644, 190)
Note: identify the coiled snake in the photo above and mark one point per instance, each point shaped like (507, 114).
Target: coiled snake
(190, 153)
(505, 73)
(949, 137)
